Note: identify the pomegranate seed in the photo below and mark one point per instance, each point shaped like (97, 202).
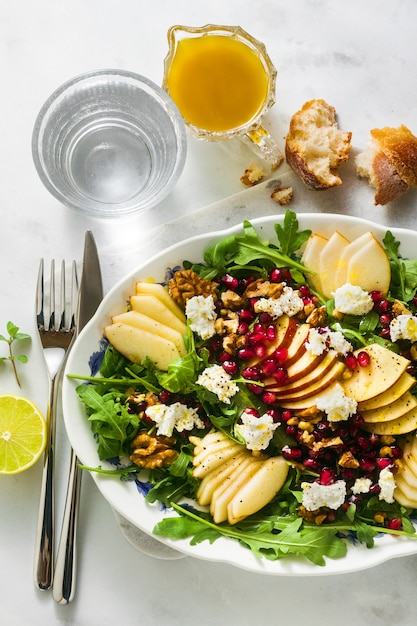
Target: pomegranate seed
(256, 337)
(385, 333)
(394, 524)
(367, 465)
(269, 367)
(286, 415)
(281, 355)
(363, 442)
(291, 454)
(383, 462)
(230, 367)
(251, 411)
(245, 315)
(251, 373)
(327, 476)
(271, 332)
(230, 281)
(376, 296)
(385, 319)
(165, 396)
(252, 303)
(350, 361)
(268, 397)
(224, 356)
(276, 275)
(260, 351)
(244, 282)
(375, 489)
(307, 301)
(274, 413)
(304, 291)
(245, 354)
(280, 375)
(291, 431)
(265, 318)
(311, 464)
(383, 306)
(243, 328)
(363, 358)
(396, 451)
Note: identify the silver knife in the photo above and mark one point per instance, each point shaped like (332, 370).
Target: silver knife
(90, 296)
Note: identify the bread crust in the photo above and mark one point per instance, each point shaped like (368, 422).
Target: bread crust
(400, 147)
(315, 148)
(390, 163)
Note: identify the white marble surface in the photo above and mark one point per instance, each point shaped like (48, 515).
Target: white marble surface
(360, 57)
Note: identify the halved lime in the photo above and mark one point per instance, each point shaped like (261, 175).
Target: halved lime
(22, 434)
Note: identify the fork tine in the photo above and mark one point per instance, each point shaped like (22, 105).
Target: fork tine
(62, 320)
(51, 324)
(40, 297)
(74, 295)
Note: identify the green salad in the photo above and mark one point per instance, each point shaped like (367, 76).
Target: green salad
(130, 406)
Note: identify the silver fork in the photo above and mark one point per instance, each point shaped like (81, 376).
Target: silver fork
(57, 330)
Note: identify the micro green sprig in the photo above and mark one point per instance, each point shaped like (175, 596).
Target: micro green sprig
(14, 335)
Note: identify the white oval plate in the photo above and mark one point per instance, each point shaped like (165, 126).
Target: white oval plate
(123, 496)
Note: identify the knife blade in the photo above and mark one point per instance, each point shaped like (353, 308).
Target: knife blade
(90, 296)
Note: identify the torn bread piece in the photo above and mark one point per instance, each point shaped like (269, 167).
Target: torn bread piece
(315, 147)
(389, 162)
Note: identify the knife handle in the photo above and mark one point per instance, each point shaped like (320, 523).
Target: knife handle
(66, 563)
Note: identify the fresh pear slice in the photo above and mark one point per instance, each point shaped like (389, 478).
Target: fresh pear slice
(329, 360)
(400, 426)
(346, 255)
(404, 383)
(139, 320)
(329, 261)
(402, 499)
(408, 476)
(218, 476)
(150, 305)
(370, 268)
(384, 369)
(160, 292)
(136, 344)
(408, 490)
(310, 259)
(260, 489)
(297, 347)
(211, 461)
(201, 444)
(224, 494)
(392, 411)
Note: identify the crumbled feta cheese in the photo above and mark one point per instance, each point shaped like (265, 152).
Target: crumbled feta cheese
(336, 404)
(201, 313)
(387, 484)
(215, 379)
(176, 415)
(289, 303)
(316, 495)
(353, 300)
(316, 341)
(256, 431)
(338, 342)
(361, 485)
(404, 327)
(320, 340)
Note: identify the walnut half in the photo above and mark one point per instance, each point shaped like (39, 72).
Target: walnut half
(151, 451)
(186, 284)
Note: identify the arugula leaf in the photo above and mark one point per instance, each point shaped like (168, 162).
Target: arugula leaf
(111, 423)
(290, 238)
(294, 539)
(403, 271)
(237, 252)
